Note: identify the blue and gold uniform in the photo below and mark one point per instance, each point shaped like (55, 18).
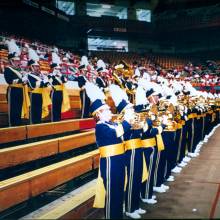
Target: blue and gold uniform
(109, 139)
(151, 156)
(85, 102)
(134, 165)
(112, 165)
(17, 96)
(39, 98)
(59, 96)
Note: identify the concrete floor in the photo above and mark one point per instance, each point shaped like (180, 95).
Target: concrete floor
(196, 190)
(195, 193)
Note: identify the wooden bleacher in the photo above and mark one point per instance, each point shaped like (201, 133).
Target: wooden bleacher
(20, 188)
(12, 156)
(23, 133)
(33, 183)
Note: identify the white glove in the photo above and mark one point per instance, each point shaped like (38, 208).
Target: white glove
(24, 79)
(129, 115)
(152, 117)
(181, 113)
(45, 80)
(165, 119)
(181, 107)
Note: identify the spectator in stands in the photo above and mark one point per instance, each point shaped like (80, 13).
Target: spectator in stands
(111, 148)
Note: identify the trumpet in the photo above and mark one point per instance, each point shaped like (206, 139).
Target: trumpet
(137, 122)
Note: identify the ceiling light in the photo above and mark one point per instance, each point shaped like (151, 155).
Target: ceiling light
(106, 6)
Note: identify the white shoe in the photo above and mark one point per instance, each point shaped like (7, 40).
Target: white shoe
(176, 170)
(170, 179)
(165, 186)
(149, 201)
(198, 146)
(198, 149)
(193, 154)
(159, 189)
(186, 159)
(182, 164)
(133, 215)
(140, 211)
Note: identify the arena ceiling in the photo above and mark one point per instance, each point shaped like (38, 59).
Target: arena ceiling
(155, 5)
(164, 5)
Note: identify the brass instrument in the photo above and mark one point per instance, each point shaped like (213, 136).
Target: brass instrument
(217, 102)
(117, 79)
(138, 121)
(167, 109)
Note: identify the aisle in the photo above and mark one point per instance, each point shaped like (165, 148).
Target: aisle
(195, 193)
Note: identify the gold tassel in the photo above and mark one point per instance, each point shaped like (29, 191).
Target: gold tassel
(26, 103)
(45, 103)
(66, 100)
(99, 201)
(145, 173)
(160, 144)
(126, 179)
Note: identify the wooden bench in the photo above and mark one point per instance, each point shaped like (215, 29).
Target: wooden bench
(3, 119)
(21, 188)
(3, 97)
(76, 141)
(22, 133)
(28, 152)
(13, 134)
(4, 106)
(51, 128)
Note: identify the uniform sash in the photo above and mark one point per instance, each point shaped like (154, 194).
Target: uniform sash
(26, 100)
(160, 144)
(46, 100)
(66, 100)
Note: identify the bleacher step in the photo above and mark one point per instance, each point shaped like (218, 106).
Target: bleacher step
(66, 204)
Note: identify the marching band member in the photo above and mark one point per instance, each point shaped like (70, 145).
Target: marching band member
(152, 144)
(39, 96)
(118, 76)
(17, 93)
(100, 81)
(110, 143)
(85, 102)
(59, 96)
(82, 79)
(148, 144)
(101, 68)
(133, 155)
